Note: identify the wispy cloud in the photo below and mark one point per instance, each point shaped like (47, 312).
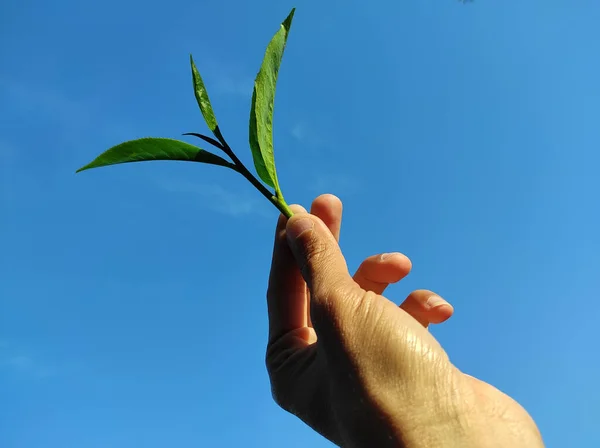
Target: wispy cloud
(227, 85)
(226, 78)
(335, 184)
(298, 131)
(20, 362)
(23, 364)
(307, 135)
(8, 156)
(219, 199)
(71, 119)
(26, 365)
(7, 151)
(51, 102)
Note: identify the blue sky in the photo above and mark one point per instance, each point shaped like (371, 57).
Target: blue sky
(132, 298)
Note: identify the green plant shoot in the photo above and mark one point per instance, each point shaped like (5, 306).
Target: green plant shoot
(260, 134)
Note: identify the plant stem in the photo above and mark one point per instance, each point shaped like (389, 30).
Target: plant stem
(241, 168)
(285, 209)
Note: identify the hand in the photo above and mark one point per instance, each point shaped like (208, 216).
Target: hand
(360, 370)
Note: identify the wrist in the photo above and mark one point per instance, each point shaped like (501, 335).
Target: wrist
(465, 413)
(481, 417)
(415, 417)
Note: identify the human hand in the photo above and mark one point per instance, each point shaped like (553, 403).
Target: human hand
(360, 370)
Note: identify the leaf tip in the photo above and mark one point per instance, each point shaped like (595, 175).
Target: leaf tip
(287, 23)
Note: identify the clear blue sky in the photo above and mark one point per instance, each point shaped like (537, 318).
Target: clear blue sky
(132, 298)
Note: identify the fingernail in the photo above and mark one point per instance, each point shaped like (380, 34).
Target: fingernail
(386, 256)
(434, 301)
(298, 227)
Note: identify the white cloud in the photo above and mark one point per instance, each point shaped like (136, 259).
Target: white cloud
(70, 118)
(8, 156)
(26, 365)
(227, 85)
(220, 199)
(335, 184)
(7, 151)
(36, 99)
(222, 78)
(307, 135)
(298, 131)
(20, 362)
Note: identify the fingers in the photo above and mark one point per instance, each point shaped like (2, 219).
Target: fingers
(379, 271)
(376, 273)
(329, 209)
(310, 241)
(321, 262)
(427, 307)
(287, 293)
(287, 296)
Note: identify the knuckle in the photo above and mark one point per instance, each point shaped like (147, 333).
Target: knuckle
(315, 254)
(342, 306)
(278, 391)
(282, 392)
(278, 396)
(363, 308)
(316, 257)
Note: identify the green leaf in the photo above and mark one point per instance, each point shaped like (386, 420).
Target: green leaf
(207, 139)
(203, 101)
(146, 149)
(263, 102)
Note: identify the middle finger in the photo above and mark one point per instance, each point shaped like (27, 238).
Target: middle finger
(377, 272)
(329, 209)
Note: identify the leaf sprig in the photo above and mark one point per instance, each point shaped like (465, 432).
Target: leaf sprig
(260, 133)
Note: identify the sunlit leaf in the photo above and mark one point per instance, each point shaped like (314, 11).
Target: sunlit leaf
(263, 101)
(204, 101)
(147, 149)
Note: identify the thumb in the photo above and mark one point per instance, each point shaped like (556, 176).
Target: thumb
(321, 262)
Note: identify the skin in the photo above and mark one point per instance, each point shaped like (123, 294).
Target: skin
(359, 369)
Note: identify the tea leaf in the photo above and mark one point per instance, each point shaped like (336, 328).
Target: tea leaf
(206, 138)
(147, 149)
(204, 101)
(263, 101)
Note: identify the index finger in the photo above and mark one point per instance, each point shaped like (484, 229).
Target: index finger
(287, 291)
